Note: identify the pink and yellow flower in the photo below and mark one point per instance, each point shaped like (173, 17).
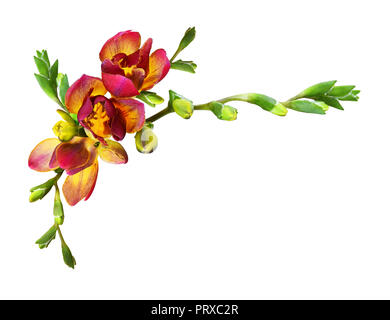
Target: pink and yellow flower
(128, 69)
(101, 116)
(79, 158)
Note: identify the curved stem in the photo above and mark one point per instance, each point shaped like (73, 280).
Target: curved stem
(159, 115)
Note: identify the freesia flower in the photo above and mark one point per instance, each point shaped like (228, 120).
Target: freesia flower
(79, 158)
(128, 69)
(101, 116)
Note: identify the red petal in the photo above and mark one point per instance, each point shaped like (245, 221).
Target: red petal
(119, 86)
(125, 42)
(159, 66)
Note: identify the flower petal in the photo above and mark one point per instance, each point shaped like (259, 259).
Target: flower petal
(76, 155)
(41, 155)
(144, 55)
(132, 112)
(109, 67)
(159, 66)
(80, 185)
(119, 86)
(118, 126)
(113, 152)
(125, 42)
(82, 88)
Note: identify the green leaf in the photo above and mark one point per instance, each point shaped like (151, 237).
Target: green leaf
(48, 184)
(48, 237)
(63, 86)
(46, 86)
(187, 66)
(69, 260)
(150, 98)
(42, 67)
(53, 73)
(317, 89)
(45, 57)
(188, 37)
(306, 106)
(330, 101)
(340, 91)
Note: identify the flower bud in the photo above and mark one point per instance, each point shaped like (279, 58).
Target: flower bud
(184, 108)
(145, 140)
(181, 105)
(223, 112)
(64, 130)
(58, 209)
(38, 194)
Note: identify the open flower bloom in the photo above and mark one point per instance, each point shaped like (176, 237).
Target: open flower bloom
(79, 158)
(101, 116)
(128, 69)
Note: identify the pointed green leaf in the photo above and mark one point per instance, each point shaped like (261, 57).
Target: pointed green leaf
(340, 91)
(69, 260)
(48, 237)
(317, 89)
(45, 57)
(188, 37)
(53, 73)
(187, 66)
(42, 67)
(330, 101)
(46, 86)
(306, 106)
(63, 86)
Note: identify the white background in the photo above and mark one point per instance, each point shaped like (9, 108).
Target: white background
(261, 208)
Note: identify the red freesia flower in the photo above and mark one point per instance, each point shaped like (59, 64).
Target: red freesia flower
(78, 158)
(101, 116)
(128, 69)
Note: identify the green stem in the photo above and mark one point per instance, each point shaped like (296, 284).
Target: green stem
(159, 115)
(60, 234)
(175, 55)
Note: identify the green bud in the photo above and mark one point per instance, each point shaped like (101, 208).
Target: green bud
(58, 210)
(48, 237)
(279, 109)
(181, 105)
(308, 106)
(38, 194)
(150, 98)
(317, 89)
(223, 112)
(187, 66)
(184, 108)
(146, 140)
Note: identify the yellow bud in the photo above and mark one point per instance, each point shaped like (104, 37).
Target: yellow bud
(145, 140)
(64, 130)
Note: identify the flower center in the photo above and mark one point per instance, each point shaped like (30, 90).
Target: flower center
(98, 121)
